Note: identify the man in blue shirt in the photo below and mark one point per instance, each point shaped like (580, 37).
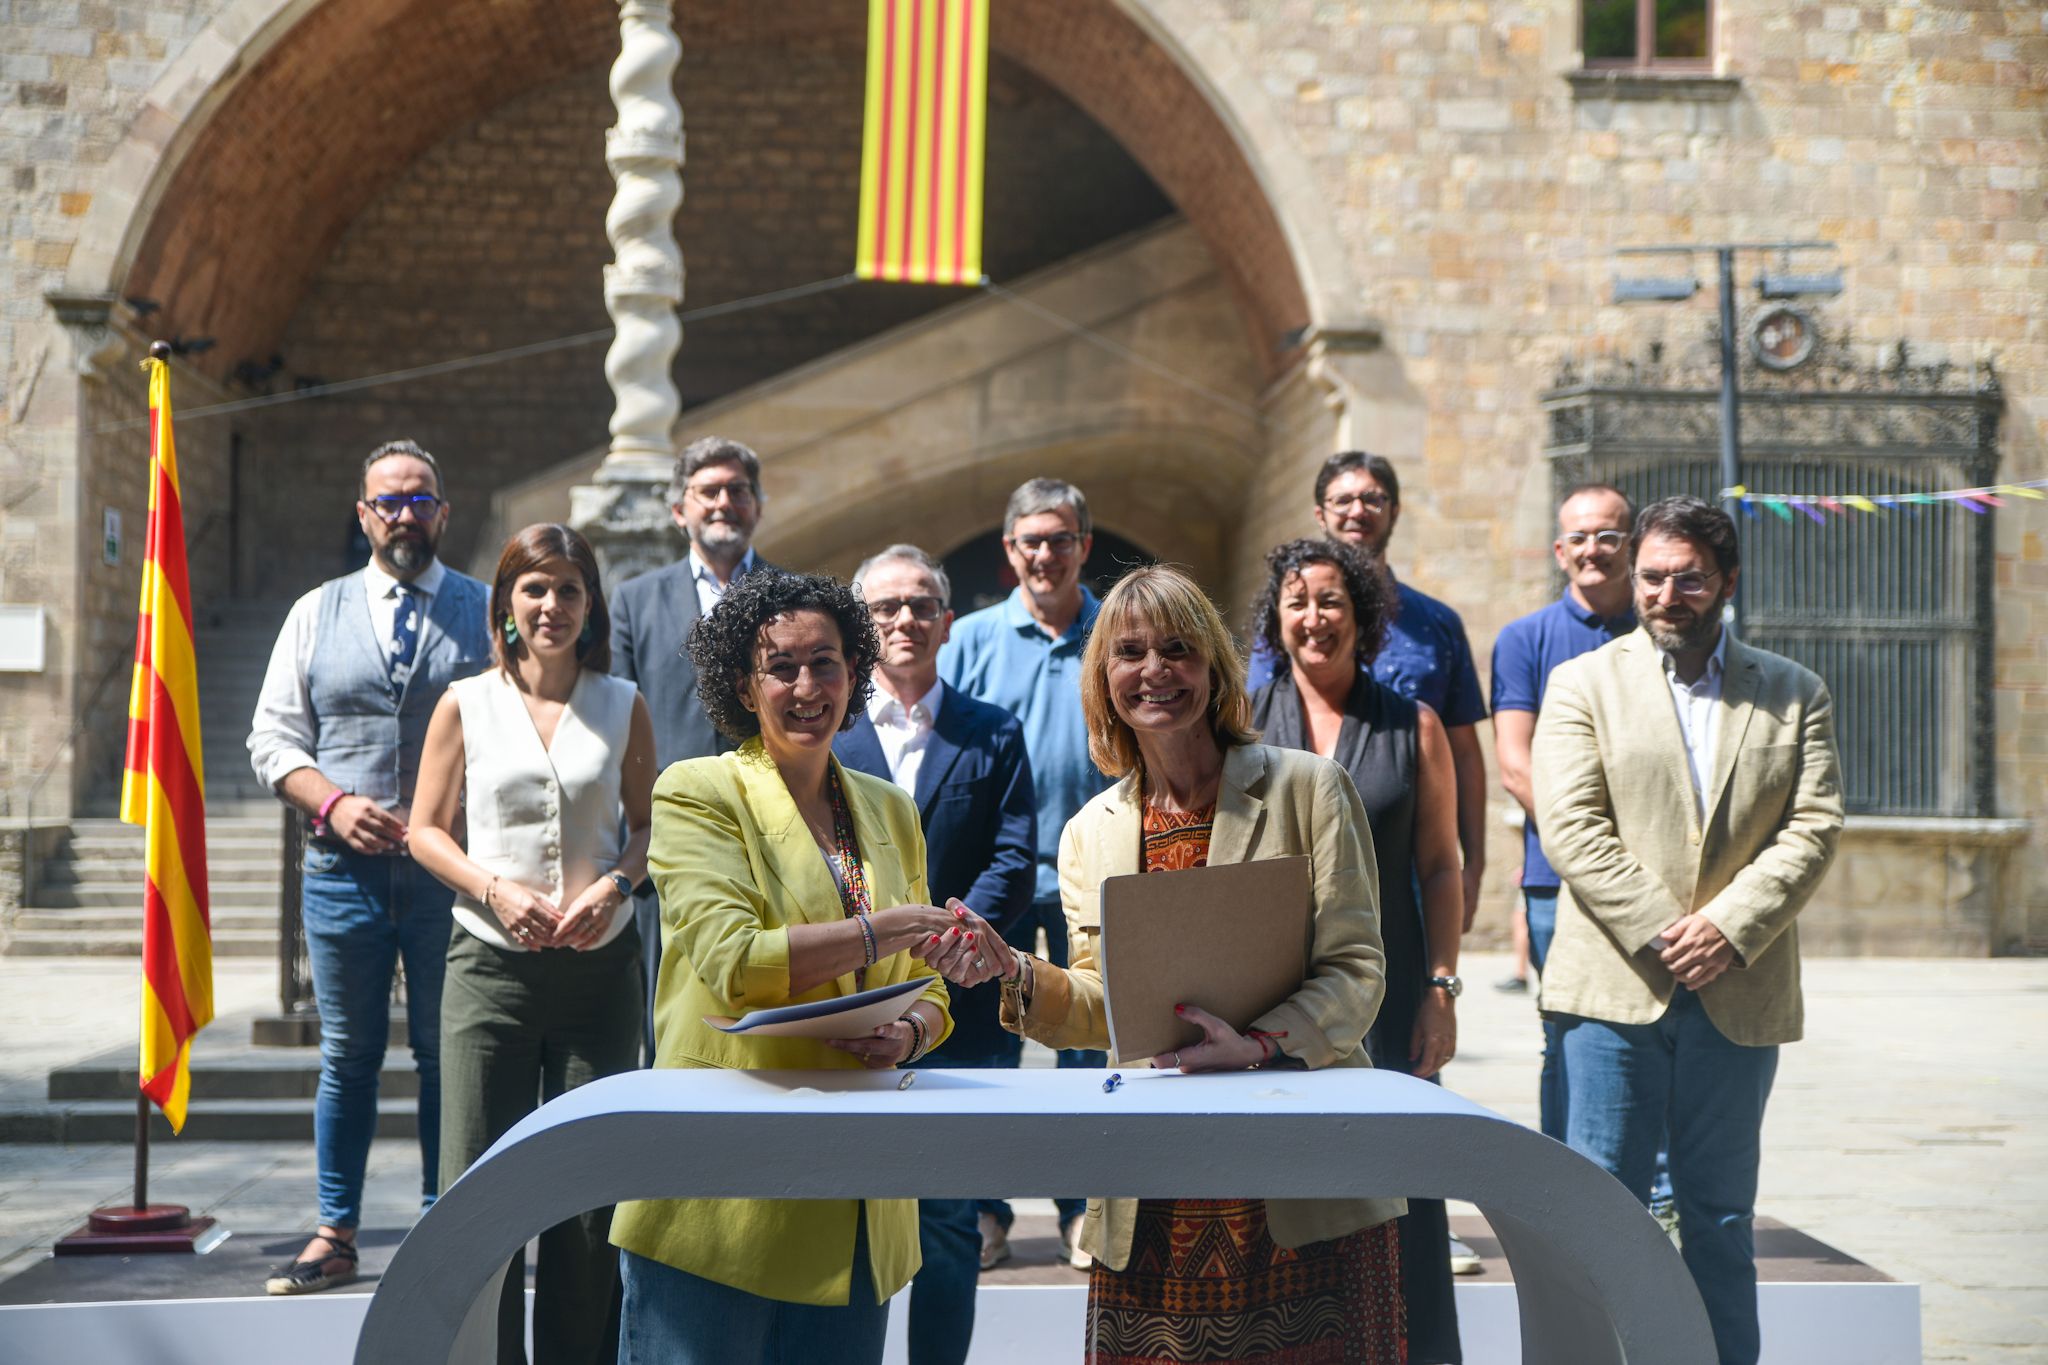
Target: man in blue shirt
(1024, 655)
(1426, 656)
(1592, 551)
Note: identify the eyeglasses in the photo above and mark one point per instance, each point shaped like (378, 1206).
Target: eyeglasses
(1686, 584)
(392, 506)
(1374, 502)
(884, 609)
(1606, 540)
(708, 494)
(1062, 544)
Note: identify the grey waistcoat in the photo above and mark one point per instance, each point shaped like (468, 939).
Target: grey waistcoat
(365, 740)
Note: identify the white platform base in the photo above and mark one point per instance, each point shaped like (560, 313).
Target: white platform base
(1803, 1324)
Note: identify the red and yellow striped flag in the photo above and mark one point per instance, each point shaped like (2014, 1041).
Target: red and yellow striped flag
(922, 149)
(164, 787)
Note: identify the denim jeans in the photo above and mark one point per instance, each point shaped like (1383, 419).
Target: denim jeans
(1630, 1083)
(363, 914)
(671, 1317)
(949, 1235)
(1550, 1089)
(1053, 916)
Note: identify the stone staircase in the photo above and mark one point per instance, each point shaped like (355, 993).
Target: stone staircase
(88, 898)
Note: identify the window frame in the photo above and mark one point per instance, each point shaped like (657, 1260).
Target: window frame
(1645, 58)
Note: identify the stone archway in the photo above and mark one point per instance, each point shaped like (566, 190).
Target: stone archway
(261, 143)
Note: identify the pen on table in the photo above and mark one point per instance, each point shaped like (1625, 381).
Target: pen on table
(1116, 1078)
(909, 1079)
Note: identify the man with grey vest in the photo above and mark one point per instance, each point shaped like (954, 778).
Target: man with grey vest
(352, 682)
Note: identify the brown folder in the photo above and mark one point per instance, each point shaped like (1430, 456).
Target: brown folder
(1232, 940)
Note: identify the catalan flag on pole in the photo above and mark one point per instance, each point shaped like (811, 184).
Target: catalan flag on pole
(164, 787)
(922, 149)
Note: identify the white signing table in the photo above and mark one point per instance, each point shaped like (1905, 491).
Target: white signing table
(1598, 1282)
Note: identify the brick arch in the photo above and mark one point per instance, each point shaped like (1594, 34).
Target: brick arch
(283, 121)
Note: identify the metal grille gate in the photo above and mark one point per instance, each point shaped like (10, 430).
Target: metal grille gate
(1893, 610)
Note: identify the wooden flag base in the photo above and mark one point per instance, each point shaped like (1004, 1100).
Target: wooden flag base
(127, 1231)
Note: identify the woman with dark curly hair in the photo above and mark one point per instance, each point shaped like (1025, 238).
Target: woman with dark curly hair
(1325, 609)
(784, 878)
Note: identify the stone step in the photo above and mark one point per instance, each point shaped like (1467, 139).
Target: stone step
(119, 894)
(220, 867)
(128, 943)
(81, 1121)
(243, 824)
(236, 1071)
(72, 919)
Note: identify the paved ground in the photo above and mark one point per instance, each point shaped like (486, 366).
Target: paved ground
(1910, 1129)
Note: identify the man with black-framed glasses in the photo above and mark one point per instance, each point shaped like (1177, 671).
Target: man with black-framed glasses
(353, 680)
(1691, 801)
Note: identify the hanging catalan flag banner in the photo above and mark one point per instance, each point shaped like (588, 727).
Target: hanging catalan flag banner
(164, 787)
(922, 146)
(1817, 507)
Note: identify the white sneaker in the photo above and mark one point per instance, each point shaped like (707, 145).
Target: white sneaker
(1076, 1257)
(1464, 1260)
(995, 1242)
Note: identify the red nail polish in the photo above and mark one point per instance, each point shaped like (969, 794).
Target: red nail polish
(935, 938)
(1180, 1009)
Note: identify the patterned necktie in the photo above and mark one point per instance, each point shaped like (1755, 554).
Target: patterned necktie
(405, 637)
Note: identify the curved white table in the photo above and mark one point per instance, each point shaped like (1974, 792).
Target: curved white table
(1597, 1280)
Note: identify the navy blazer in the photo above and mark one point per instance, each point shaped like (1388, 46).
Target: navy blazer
(980, 817)
(652, 616)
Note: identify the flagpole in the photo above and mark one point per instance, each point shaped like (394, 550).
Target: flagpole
(141, 1150)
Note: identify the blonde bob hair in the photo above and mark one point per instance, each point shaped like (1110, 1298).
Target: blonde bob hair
(1163, 599)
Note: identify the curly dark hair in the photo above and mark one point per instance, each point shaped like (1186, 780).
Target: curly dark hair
(722, 644)
(1373, 601)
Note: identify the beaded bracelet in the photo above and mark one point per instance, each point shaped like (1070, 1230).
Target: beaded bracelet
(867, 936)
(916, 1037)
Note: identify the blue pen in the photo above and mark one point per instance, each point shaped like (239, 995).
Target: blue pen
(1116, 1078)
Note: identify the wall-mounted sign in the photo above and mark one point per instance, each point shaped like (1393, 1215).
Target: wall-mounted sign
(1781, 338)
(110, 535)
(21, 639)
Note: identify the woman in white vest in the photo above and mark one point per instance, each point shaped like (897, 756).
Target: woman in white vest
(551, 759)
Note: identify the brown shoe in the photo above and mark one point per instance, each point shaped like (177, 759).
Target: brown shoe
(995, 1242)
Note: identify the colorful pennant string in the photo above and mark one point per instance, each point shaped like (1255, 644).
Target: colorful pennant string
(1818, 506)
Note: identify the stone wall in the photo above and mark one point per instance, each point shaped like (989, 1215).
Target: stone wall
(495, 238)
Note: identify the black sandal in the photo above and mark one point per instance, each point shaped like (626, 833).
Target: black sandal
(310, 1277)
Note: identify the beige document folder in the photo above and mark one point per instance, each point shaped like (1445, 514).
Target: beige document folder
(1231, 940)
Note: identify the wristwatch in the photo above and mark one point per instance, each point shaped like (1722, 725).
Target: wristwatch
(1454, 984)
(619, 880)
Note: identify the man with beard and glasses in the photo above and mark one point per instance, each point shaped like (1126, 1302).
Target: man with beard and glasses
(714, 495)
(1687, 787)
(354, 677)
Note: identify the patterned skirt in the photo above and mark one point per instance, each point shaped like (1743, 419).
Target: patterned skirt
(1207, 1286)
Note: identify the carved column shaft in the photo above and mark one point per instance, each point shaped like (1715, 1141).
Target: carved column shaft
(625, 513)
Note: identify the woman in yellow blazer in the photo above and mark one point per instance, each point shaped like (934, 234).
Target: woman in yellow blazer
(783, 878)
(1162, 684)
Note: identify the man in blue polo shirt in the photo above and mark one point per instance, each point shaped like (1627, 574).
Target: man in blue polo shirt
(1024, 655)
(1592, 551)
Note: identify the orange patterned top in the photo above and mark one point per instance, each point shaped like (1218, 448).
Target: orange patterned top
(1177, 840)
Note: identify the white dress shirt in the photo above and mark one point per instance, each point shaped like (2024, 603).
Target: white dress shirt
(1699, 707)
(282, 734)
(710, 592)
(905, 732)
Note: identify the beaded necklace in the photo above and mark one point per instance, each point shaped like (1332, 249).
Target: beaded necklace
(853, 878)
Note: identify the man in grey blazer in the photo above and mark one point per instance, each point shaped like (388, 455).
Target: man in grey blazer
(715, 497)
(1688, 792)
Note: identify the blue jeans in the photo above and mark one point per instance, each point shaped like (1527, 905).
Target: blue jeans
(1550, 1090)
(362, 915)
(671, 1317)
(1053, 916)
(1630, 1083)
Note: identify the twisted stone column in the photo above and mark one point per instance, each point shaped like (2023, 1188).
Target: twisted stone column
(625, 513)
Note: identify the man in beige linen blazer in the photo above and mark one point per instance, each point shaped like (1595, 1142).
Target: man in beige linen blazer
(1687, 788)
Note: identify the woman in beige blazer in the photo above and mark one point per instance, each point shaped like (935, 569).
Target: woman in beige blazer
(1208, 1280)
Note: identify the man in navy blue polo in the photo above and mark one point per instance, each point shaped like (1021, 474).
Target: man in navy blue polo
(1592, 551)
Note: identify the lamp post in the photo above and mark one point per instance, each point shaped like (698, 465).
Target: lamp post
(1665, 289)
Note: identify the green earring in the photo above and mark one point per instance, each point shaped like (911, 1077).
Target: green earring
(511, 631)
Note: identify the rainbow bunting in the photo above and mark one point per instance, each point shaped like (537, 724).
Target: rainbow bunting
(1816, 505)
(164, 786)
(922, 147)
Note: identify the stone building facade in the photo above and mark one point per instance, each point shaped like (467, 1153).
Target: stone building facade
(1402, 216)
